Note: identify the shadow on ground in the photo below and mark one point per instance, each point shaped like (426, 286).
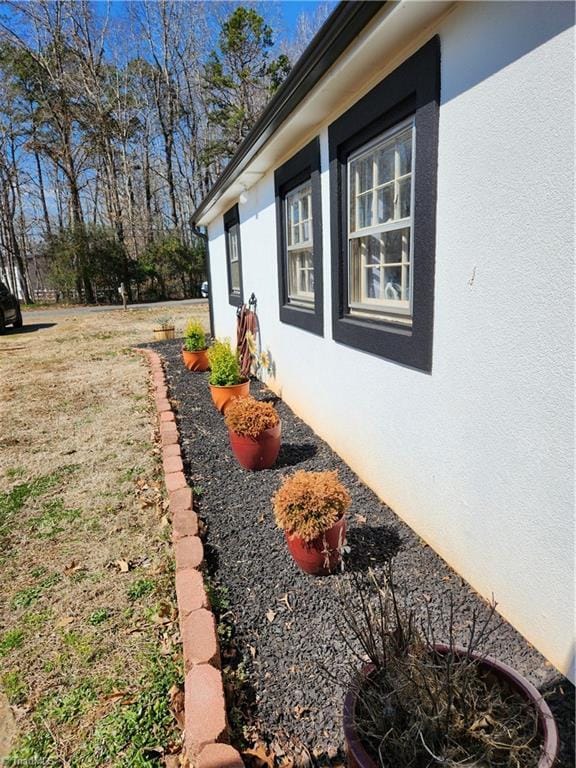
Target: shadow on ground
(30, 328)
(370, 546)
(292, 453)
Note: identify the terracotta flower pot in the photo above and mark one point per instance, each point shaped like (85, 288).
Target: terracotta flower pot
(358, 757)
(163, 334)
(195, 361)
(257, 452)
(322, 555)
(221, 396)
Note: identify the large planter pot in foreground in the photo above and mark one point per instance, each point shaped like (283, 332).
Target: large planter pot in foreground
(258, 452)
(323, 554)
(358, 757)
(221, 396)
(195, 361)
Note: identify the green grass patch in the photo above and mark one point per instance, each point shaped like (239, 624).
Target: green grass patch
(127, 736)
(141, 588)
(37, 619)
(131, 474)
(35, 748)
(10, 640)
(13, 686)
(14, 472)
(53, 519)
(79, 645)
(98, 616)
(218, 595)
(24, 598)
(69, 705)
(12, 502)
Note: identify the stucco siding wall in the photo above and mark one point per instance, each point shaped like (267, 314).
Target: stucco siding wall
(478, 455)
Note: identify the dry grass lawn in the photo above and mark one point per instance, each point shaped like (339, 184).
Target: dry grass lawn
(89, 646)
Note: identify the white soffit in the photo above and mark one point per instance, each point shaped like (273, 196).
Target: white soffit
(376, 51)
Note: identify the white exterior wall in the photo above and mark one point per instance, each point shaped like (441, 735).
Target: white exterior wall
(477, 457)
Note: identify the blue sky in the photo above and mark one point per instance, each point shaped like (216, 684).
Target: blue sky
(291, 9)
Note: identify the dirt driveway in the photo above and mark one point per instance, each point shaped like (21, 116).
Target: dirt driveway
(89, 646)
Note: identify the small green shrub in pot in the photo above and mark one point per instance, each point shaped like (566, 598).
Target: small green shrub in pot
(224, 365)
(194, 336)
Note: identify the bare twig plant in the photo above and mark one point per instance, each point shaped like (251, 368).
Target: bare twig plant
(420, 704)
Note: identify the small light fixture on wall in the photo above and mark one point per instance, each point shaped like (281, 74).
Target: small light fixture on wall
(243, 199)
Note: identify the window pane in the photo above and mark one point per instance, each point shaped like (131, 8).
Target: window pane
(404, 191)
(371, 250)
(406, 284)
(364, 218)
(295, 212)
(385, 163)
(301, 275)
(235, 276)
(379, 263)
(233, 243)
(393, 283)
(306, 231)
(305, 207)
(404, 149)
(371, 279)
(372, 276)
(386, 204)
(364, 171)
(392, 246)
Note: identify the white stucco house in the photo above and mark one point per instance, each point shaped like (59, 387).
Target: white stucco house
(404, 213)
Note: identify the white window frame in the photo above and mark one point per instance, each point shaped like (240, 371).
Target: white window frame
(381, 307)
(293, 250)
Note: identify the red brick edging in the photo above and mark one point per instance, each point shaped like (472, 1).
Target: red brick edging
(205, 725)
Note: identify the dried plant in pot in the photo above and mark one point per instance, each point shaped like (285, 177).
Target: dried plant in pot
(164, 329)
(194, 347)
(226, 381)
(254, 430)
(310, 508)
(418, 703)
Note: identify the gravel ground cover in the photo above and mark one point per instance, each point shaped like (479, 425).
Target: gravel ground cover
(284, 620)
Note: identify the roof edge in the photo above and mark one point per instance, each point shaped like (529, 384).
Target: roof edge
(342, 26)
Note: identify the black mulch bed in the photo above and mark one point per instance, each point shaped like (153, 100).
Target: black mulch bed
(295, 709)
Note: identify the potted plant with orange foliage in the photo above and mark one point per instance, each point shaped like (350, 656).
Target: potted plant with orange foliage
(254, 429)
(310, 508)
(194, 347)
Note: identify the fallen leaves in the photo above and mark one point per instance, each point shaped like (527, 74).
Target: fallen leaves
(74, 567)
(284, 599)
(176, 696)
(259, 756)
(270, 615)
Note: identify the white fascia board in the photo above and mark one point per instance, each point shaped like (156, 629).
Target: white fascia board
(383, 44)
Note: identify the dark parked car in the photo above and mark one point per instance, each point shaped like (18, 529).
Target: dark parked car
(10, 312)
